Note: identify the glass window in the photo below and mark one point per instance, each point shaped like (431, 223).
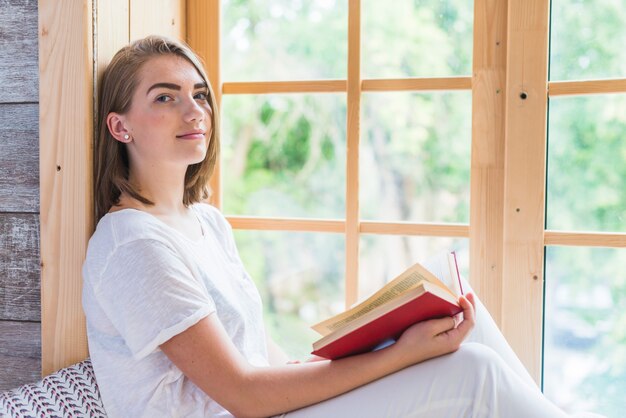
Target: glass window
(587, 39)
(415, 156)
(284, 155)
(585, 329)
(284, 39)
(587, 163)
(300, 278)
(424, 38)
(383, 257)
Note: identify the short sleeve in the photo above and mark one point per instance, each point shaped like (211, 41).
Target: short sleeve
(150, 295)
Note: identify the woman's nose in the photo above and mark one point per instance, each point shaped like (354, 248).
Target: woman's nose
(194, 111)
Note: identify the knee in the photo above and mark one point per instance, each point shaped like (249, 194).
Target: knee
(478, 359)
(481, 371)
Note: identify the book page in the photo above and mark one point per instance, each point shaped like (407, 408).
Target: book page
(444, 268)
(455, 284)
(408, 280)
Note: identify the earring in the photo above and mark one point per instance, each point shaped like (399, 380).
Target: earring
(126, 136)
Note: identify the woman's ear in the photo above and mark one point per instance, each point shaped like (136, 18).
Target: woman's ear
(117, 128)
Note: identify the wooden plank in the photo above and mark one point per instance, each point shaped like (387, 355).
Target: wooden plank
(420, 229)
(19, 158)
(353, 133)
(18, 51)
(418, 84)
(524, 198)
(167, 17)
(339, 86)
(276, 224)
(339, 226)
(112, 34)
(203, 35)
(20, 353)
(570, 88)
(585, 239)
(273, 87)
(66, 129)
(487, 172)
(113, 23)
(19, 267)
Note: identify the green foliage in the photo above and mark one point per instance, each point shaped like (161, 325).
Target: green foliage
(587, 39)
(299, 276)
(587, 164)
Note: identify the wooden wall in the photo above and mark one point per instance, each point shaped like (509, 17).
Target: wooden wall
(20, 340)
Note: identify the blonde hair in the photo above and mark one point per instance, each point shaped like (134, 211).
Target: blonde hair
(118, 84)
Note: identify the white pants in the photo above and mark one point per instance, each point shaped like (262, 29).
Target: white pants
(484, 378)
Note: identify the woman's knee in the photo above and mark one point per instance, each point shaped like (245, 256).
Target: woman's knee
(478, 358)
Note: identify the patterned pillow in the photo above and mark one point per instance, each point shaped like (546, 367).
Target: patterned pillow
(71, 392)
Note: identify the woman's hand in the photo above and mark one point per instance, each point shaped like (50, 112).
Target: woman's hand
(435, 337)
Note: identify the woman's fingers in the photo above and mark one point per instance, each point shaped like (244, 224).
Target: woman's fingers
(445, 333)
(472, 299)
(441, 325)
(467, 305)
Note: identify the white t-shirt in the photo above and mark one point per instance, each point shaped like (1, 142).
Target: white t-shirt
(145, 282)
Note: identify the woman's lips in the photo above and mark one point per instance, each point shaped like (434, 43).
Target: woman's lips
(191, 136)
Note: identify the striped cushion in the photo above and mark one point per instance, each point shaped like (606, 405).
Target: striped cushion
(71, 392)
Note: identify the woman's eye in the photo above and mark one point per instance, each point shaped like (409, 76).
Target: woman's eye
(163, 98)
(201, 96)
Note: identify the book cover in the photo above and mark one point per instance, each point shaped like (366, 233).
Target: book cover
(416, 295)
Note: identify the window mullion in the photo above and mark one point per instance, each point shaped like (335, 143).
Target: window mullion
(525, 179)
(352, 152)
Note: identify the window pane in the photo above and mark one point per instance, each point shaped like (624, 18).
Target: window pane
(284, 155)
(587, 39)
(587, 163)
(300, 278)
(585, 324)
(415, 157)
(284, 39)
(383, 257)
(425, 38)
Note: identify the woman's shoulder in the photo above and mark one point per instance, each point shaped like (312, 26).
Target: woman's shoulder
(122, 232)
(129, 223)
(122, 227)
(213, 217)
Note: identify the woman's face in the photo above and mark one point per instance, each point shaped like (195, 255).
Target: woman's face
(169, 121)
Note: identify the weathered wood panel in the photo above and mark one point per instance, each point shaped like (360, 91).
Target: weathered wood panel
(18, 51)
(19, 158)
(20, 353)
(19, 267)
(20, 342)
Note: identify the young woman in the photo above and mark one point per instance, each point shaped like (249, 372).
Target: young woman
(174, 321)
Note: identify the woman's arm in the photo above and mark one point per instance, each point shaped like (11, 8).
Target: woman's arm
(206, 355)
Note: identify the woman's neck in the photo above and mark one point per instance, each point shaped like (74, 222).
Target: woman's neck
(165, 191)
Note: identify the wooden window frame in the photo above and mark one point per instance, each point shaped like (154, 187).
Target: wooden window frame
(507, 186)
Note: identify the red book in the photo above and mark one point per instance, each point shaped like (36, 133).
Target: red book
(416, 295)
